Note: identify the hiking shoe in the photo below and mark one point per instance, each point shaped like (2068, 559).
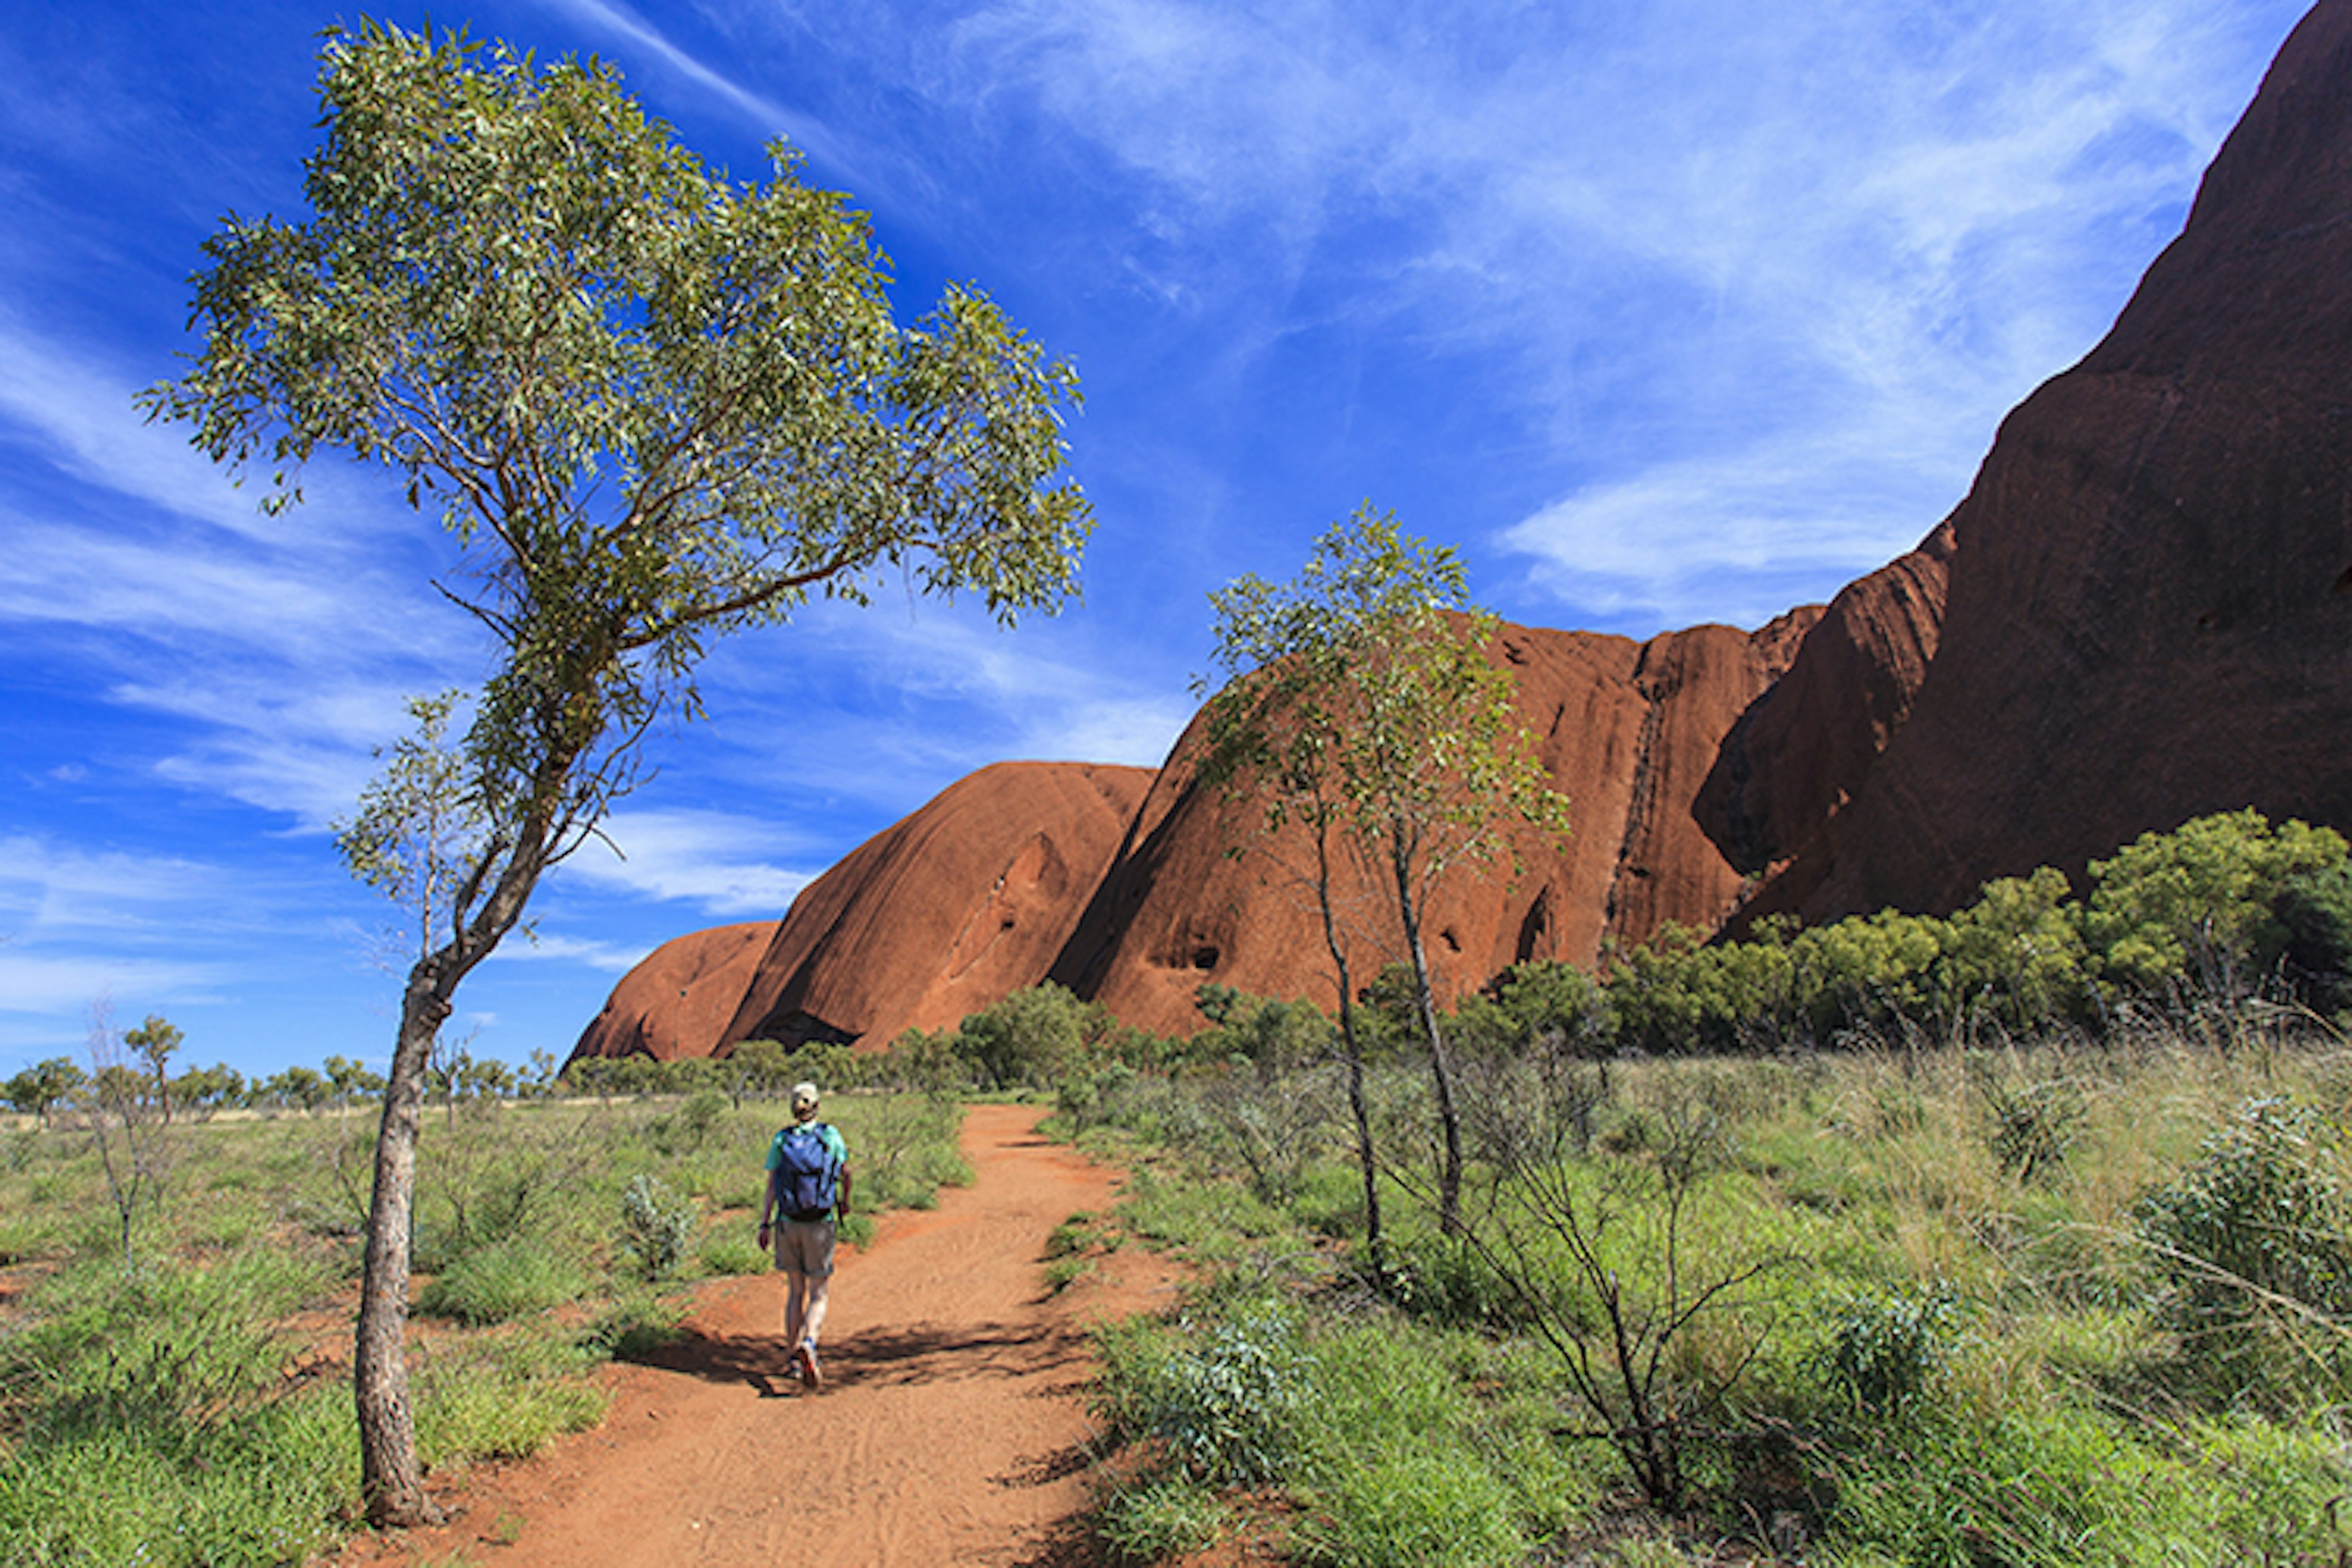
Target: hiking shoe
(810, 1375)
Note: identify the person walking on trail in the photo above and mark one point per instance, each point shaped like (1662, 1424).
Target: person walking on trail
(808, 1191)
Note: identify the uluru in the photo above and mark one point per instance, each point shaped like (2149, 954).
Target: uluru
(2140, 612)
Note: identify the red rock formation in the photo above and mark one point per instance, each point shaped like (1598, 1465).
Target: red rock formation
(677, 1002)
(1800, 751)
(1628, 731)
(2150, 603)
(967, 899)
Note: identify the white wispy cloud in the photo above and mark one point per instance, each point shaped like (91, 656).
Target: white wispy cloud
(881, 704)
(47, 888)
(708, 858)
(870, 167)
(60, 984)
(288, 643)
(1698, 242)
(612, 958)
(77, 409)
(78, 924)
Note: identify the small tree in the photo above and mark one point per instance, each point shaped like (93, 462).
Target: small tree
(1365, 709)
(155, 1041)
(126, 1128)
(350, 1080)
(1612, 1265)
(296, 1088)
(207, 1089)
(653, 407)
(40, 1088)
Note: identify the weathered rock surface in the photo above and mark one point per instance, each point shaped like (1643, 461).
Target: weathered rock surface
(968, 899)
(1627, 730)
(962, 903)
(1794, 759)
(678, 1003)
(2150, 605)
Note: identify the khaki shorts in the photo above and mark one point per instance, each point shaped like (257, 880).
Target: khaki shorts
(805, 1247)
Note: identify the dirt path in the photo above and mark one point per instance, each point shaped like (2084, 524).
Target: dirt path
(950, 1429)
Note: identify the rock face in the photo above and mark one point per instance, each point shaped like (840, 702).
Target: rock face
(964, 901)
(2141, 612)
(1627, 730)
(1125, 885)
(1795, 758)
(678, 1003)
(2150, 613)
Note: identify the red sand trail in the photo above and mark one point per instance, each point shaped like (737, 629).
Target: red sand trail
(950, 1430)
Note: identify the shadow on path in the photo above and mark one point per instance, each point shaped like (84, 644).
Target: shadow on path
(882, 1357)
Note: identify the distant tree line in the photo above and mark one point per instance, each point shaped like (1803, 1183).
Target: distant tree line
(61, 1086)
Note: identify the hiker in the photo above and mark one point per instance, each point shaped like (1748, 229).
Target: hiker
(808, 1188)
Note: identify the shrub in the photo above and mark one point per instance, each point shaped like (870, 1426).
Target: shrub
(2035, 1123)
(2314, 912)
(1226, 1409)
(2250, 1247)
(691, 1126)
(658, 1228)
(1883, 1353)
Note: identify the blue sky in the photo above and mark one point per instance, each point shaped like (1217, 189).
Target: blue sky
(1662, 312)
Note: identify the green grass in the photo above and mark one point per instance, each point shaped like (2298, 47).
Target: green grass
(147, 1416)
(1966, 1342)
(503, 1281)
(1163, 1515)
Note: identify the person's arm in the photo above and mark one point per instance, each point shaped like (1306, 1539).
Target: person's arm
(767, 1206)
(841, 1205)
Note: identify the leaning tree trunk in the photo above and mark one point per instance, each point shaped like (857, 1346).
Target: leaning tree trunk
(1440, 1065)
(1367, 1155)
(392, 1483)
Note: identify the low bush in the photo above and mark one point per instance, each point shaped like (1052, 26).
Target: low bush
(1227, 1408)
(2251, 1248)
(658, 1227)
(1881, 1354)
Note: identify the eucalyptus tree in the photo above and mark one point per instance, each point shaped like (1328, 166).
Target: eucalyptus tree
(155, 1041)
(653, 405)
(1364, 710)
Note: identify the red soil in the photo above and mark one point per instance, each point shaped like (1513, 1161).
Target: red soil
(952, 1428)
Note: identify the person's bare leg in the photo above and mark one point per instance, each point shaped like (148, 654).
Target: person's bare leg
(794, 1310)
(812, 1319)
